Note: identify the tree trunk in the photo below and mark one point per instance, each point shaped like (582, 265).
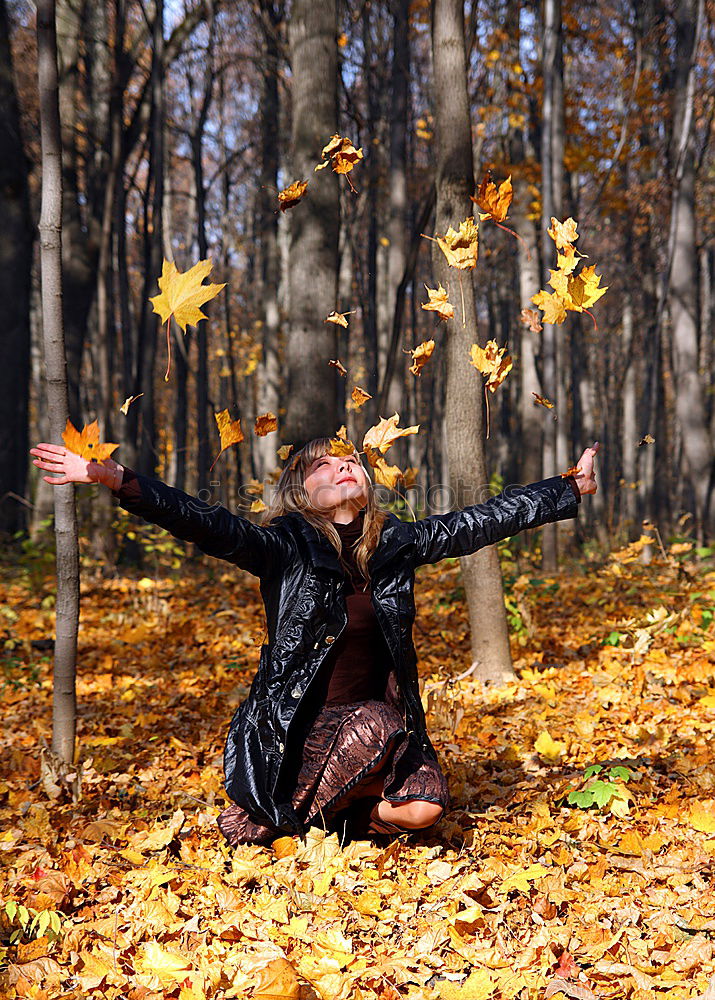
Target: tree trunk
(551, 188)
(311, 409)
(463, 396)
(67, 606)
(15, 270)
(682, 288)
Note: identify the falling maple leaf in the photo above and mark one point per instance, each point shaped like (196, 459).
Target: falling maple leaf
(290, 196)
(181, 295)
(531, 318)
(229, 431)
(420, 356)
(338, 318)
(492, 361)
(460, 247)
(338, 365)
(124, 408)
(86, 442)
(552, 306)
(341, 155)
(284, 451)
(257, 507)
(383, 435)
(264, 424)
(494, 203)
(563, 233)
(646, 439)
(386, 475)
(359, 396)
(542, 401)
(438, 303)
(584, 290)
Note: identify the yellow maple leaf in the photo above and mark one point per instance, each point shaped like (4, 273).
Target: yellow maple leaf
(494, 202)
(341, 155)
(551, 305)
(124, 408)
(702, 816)
(492, 362)
(341, 446)
(257, 507)
(169, 966)
(567, 261)
(522, 880)
(181, 295)
(359, 396)
(383, 434)
(563, 233)
(264, 424)
(291, 195)
(86, 442)
(284, 451)
(385, 475)
(550, 749)
(584, 290)
(338, 318)
(420, 356)
(229, 431)
(438, 303)
(461, 248)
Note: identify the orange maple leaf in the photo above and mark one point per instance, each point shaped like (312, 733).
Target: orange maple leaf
(420, 356)
(229, 431)
(86, 442)
(494, 202)
(265, 423)
(341, 155)
(359, 396)
(438, 303)
(290, 196)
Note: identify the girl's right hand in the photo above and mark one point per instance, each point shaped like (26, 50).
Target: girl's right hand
(71, 468)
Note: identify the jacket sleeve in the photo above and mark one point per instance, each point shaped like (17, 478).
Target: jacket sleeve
(214, 529)
(462, 532)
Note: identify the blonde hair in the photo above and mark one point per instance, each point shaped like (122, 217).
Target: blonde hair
(291, 496)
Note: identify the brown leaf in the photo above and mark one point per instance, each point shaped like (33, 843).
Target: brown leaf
(290, 196)
(265, 424)
(531, 318)
(341, 369)
(359, 396)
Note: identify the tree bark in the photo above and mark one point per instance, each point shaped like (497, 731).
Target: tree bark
(682, 296)
(311, 409)
(15, 271)
(463, 396)
(67, 606)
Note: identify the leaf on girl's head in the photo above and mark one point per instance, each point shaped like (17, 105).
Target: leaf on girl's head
(461, 248)
(531, 318)
(359, 396)
(341, 446)
(420, 356)
(563, 233)
(492, 362)
(291, 195)
(338, 318)
(264, 424)
(438, 303)
(229, 431)
(338, 365)
(542, 401)
(284, 451)
(494, 202)
(124, 408)
(341, 155)
(383, 434)
(85, 443)
(182, 294)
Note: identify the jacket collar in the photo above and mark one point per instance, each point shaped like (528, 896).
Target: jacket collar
(322, 554)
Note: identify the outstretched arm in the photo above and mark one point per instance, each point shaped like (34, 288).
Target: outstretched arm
(461, 532)
(215, 530)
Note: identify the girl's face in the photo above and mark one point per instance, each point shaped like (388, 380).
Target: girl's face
(334, 481)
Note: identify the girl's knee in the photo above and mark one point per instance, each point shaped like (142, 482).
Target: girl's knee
(418, 814)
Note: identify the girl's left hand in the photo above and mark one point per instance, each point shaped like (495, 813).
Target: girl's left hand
(585, 479)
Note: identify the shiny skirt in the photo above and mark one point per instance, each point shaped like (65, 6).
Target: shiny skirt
(346, 748)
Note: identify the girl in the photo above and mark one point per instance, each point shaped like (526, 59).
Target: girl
(333, 730)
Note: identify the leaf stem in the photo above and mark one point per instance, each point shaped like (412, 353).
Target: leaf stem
(168, 348)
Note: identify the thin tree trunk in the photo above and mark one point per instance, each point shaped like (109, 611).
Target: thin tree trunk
(463, 398)
(311, 409)
(67, 605)
(15, 272)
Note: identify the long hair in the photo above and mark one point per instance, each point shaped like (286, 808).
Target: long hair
(291, 496)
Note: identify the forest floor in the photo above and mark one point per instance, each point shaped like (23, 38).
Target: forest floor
(545, 878)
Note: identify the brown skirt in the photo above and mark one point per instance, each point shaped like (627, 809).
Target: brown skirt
(346, 748)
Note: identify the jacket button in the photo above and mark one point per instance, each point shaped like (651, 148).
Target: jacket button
(316, 646)
(329, 639)
(281, 747)
(296, 692)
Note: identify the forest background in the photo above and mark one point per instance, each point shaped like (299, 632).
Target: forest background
(181, 122)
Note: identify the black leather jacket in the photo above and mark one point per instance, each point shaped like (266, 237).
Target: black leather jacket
(302, 586)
